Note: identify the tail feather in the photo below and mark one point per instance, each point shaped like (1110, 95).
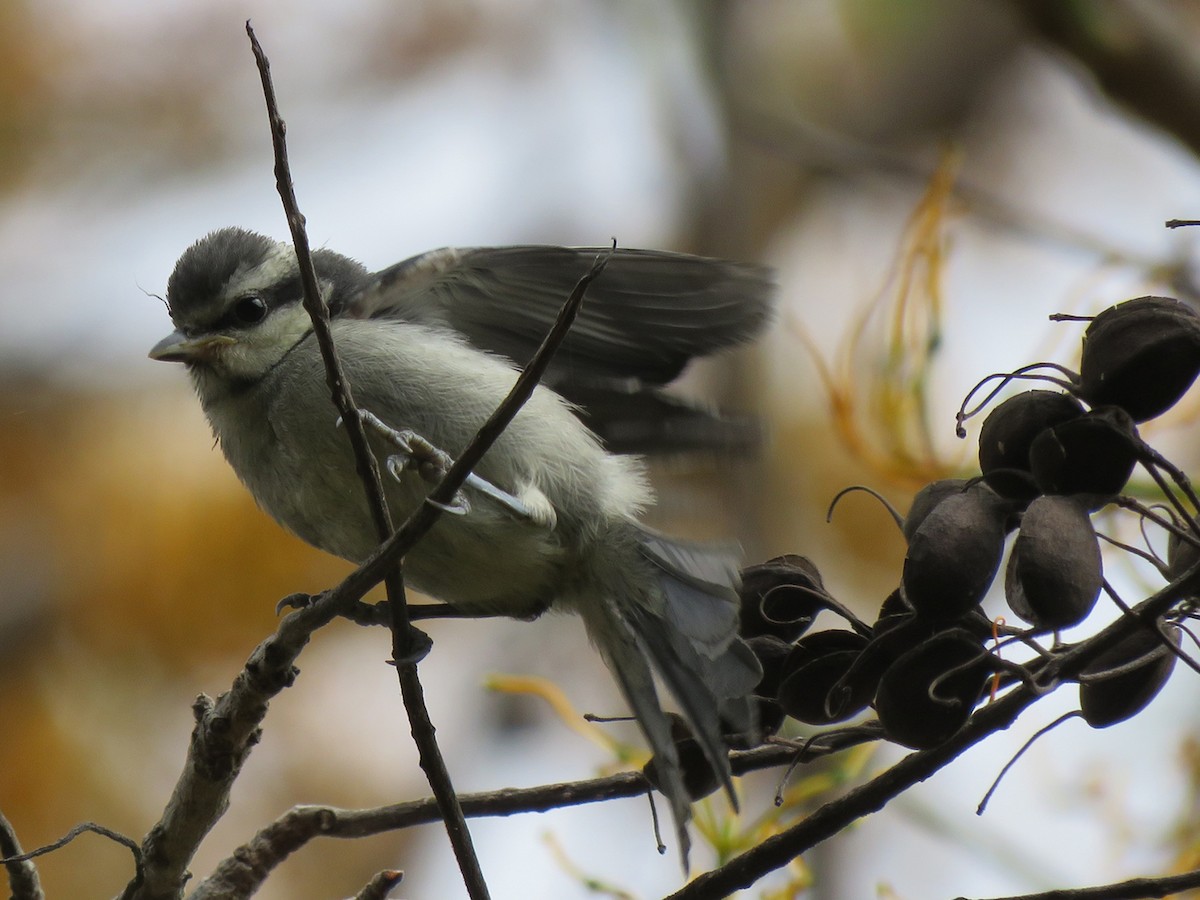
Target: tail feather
(700, 586)
(700, 706)
(624, 653)
(686, 632)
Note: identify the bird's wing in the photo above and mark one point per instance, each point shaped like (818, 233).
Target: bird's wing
(647, 314)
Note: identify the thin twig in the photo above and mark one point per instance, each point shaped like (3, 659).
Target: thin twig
(244, 870)
(408, 645)
(1133, 889)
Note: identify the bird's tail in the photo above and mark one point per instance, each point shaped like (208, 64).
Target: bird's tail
(682, 627)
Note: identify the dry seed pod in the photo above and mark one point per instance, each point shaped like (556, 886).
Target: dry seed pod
(1010, 428)
(926, 499)
(779, 597)
(817, 664)
(893, 605)
(1054, 571)
(1141, 355)
(699, 779)
(892, 637)
(1091, 456)
(766, 713)
(1181, 556)
(953, 557)
(928, 694)
(1112, 690)
(773, 654)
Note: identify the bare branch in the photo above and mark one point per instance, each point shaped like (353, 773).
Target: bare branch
(28, 880)
(240, 874)
(780, 849)
(23, 878)
(1133, 889)
(224, 733)
(1139, 53)
(408, 645)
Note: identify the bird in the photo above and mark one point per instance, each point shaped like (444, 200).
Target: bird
(550, 519)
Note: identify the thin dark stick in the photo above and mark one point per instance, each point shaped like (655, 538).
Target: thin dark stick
(1133, 889)
(1044, 730)
(315, 304)
(244, 870)
(407, 647)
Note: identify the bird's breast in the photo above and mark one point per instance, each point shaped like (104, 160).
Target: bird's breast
(301, 470)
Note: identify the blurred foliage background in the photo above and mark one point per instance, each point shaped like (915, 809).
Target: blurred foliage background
(931, 179)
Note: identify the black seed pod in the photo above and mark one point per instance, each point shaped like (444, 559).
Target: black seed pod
(926, 499)
(1091, 456)
(1122, 680)
(893, 605)
(699, 779)
(779, 597)
(1141, 355)
(1181, 556)
(817, 664)
(1054, 571)
(1010, 428)
(953, 557)
(892, 637)
(1009, 431)
(898, 629)
(927, 694)
(770, 720)
(773, 654)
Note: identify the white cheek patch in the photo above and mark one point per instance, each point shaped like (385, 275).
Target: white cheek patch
(262, 346)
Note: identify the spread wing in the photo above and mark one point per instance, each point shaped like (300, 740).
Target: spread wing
(643, 319)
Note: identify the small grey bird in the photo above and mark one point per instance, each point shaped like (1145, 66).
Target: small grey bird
(549, 519)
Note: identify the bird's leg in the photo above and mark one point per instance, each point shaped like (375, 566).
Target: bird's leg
(432, 463)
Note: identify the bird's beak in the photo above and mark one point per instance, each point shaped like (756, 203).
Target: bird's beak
(178, 347)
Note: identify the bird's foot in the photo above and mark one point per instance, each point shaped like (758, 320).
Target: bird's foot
(416, 455)
(431, 463)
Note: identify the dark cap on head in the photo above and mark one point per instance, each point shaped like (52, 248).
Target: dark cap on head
(206, 266)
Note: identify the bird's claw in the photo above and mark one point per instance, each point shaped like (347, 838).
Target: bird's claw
(399, 463)
(460, 506)
(417, 454)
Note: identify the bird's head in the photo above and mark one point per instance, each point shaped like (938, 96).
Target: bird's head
(235, 299)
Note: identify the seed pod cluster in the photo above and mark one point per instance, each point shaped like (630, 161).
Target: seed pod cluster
(1049, 459)
(923, 674)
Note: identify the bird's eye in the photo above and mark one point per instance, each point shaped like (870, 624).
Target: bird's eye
(249, 310)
